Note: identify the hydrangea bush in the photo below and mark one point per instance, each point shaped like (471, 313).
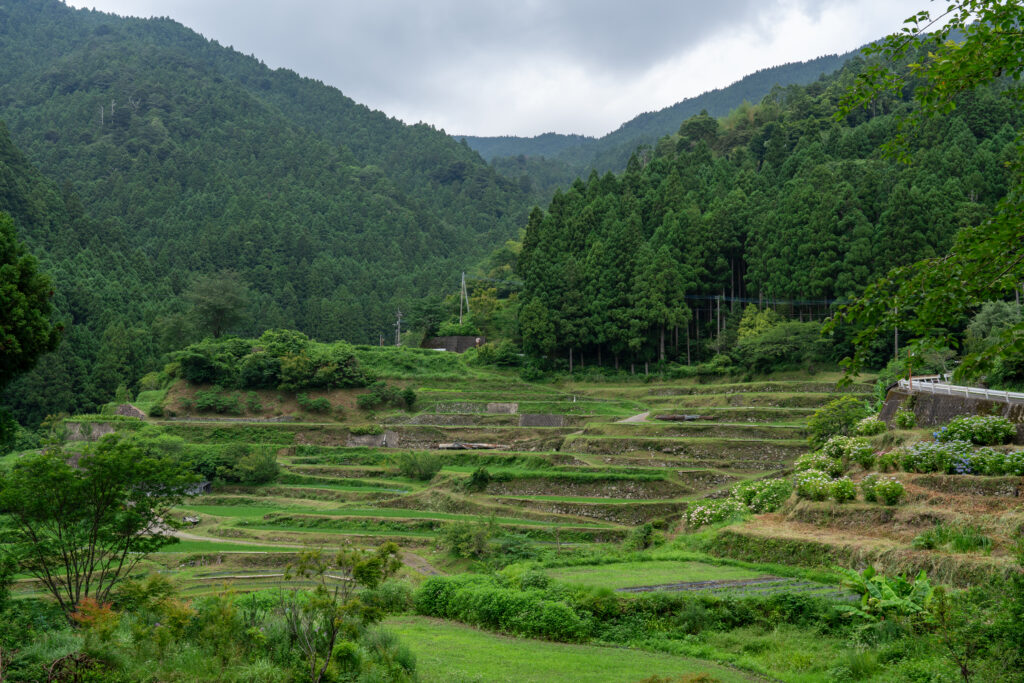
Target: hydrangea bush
(765, 495)
(870, 426)
(819, 461)
(813, 485)
(714, 511)
(933, 456)
(867, 486)
(984, 430)
(889, 490)
(843, 490)
(987, 461)
(904, 418)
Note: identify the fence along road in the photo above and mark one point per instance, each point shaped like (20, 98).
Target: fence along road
(967, 392)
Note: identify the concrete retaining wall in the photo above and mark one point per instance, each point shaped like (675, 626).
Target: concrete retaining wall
(933, 410)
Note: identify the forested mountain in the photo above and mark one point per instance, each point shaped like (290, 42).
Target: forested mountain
(775, 201)
(569, 156)
(170, 156)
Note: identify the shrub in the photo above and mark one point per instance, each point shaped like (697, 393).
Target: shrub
(904, 418)
(886, 461)
(213, 399)
(643, 537)
(867, 487)
(889, 490)
(313, 405)
(382, 394)
(932, 456)
(837, 417)
(478, 480)
(503, 353)
(870, 426)
(843, 490)
(466, 539)
(765, 495)
(715, 511)
(258, 467)
(1013, 463)
(819, 461)
(252, 402)
(421, 465)
(813, 485)
(984, 430)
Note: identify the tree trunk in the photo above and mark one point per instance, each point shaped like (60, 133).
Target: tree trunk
(570, 360)
(661, 345)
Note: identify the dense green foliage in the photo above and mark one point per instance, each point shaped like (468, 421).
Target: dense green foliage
(279, 359)
(177, 159)
(777, 202)
(933, 297)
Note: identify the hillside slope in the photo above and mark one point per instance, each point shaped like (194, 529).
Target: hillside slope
(185, 157)
(569, 156)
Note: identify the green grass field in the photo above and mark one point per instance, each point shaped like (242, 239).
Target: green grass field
(453, 653)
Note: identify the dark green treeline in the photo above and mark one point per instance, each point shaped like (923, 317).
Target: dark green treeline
(776, 201)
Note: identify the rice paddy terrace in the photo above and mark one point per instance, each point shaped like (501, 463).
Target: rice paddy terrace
(568, 472)
(569, 464)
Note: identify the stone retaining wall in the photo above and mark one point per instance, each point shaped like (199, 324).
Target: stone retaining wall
(933, 410)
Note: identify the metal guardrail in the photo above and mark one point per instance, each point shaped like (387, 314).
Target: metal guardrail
(967, 392)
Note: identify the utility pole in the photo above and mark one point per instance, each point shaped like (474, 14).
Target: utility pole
(896, 336)
(463, 295)
(719, 340)
(398, 329)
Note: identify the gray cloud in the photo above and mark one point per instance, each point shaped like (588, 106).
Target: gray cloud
(491, 67)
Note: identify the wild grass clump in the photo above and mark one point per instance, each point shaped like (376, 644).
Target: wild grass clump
(957, 538)
(408, 363)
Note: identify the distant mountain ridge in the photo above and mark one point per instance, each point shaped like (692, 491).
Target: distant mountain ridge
(576, 155)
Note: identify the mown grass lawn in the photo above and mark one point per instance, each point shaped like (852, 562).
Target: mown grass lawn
(629, 574)
(447, 652)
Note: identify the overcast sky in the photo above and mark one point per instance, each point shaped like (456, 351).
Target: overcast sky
(507, 67)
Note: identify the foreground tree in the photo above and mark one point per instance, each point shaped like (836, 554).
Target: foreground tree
(81, 527)
(324, 622)
(986, 262)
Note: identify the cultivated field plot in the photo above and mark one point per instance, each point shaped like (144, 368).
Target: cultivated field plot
(675, 576)
(452, 653)
(543, 464)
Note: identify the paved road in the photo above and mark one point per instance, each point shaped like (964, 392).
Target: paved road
(642, 417)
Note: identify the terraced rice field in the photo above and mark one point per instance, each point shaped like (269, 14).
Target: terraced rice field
(572, 472)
